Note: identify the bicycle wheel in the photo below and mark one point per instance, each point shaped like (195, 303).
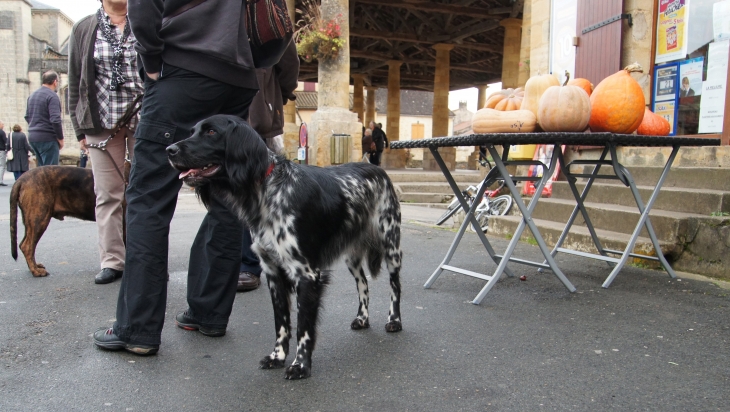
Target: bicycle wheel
(500, 205)
(453, 208)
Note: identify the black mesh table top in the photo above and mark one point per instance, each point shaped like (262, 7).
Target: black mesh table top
(584, 139)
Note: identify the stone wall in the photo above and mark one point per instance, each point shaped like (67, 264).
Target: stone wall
(637, 40)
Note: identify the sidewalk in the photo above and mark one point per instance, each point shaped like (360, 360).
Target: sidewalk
(647, 343)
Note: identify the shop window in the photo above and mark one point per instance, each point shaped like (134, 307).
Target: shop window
(685, 67)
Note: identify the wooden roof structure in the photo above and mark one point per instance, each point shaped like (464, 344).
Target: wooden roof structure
(406, 30)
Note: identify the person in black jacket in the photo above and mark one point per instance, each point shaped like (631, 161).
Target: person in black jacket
(381, 142)
(266, 116)
(196, 61)
(21, 152)
(4, 147)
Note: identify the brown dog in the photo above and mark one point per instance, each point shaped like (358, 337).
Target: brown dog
(46, 192)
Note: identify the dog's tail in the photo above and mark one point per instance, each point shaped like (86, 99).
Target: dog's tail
(14, 196)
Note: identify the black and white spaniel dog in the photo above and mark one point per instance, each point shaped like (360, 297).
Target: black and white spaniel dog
(302, 219)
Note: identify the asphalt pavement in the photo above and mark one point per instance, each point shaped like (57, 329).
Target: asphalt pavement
(647, 343)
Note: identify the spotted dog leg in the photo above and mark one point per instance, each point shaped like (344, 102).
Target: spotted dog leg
(279, 287)
(393, 260)
(309, 293)
(358, 271)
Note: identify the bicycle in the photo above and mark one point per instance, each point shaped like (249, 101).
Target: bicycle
(488, 206)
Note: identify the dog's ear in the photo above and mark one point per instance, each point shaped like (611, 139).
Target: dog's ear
(247, 157)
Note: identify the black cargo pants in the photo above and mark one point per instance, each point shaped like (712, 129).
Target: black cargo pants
(172, 106)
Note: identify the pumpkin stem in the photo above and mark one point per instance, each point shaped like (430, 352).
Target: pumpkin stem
(634, 68)
(567, 78)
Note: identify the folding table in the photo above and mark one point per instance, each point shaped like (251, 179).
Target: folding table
(609, 142)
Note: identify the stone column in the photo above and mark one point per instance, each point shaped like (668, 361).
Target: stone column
(333, 95)
(441, 108)
(482, 96)
(357, 97)
(370, 105)
(524, 73)
(291, 130)
(395, 159)
(511, 55)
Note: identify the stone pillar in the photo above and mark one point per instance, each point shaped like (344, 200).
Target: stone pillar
(539, 36)
(370, 105)
(440, 126)
(291, 130)
(395, 159)
(482, 96)
(333, 95)
(524, 73)
(511, 55)
(357, 97)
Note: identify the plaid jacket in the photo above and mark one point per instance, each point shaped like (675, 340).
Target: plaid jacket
(84, 109)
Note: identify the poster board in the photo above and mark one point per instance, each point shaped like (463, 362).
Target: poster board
(672, 22)
(712, 107)
(665, 93)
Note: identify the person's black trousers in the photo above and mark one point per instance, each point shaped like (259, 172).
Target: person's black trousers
(172, 106)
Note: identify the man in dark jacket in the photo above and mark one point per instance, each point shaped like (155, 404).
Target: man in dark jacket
(4, 147)
(197, 63)
(266, 116)
(381, 142)
(45, 126)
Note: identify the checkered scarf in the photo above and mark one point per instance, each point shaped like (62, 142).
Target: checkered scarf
(117, 45)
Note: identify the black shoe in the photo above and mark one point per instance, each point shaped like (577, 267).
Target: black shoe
(182, 320)
(2, 184)
(247, 281)
(106, 338)
(107, 275)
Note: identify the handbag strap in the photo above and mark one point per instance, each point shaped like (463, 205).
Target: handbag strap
(10, 140)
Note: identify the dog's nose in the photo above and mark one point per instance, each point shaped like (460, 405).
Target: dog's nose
(172, 150)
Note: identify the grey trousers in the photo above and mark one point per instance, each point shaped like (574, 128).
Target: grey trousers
(109, 189)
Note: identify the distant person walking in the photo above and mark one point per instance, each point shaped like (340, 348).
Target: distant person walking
(21, 149)
(381, 142)
(4, 147)
(45, 127)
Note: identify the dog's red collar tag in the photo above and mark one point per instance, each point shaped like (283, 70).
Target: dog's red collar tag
(269, 170)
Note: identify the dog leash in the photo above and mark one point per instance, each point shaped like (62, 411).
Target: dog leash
(122, 123)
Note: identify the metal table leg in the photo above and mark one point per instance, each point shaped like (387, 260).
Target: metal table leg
(643, 219)
(469, 219)
(526, 221)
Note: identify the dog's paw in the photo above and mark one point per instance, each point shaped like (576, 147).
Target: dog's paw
(393, 326)
(40, 265)
(40, 272)
(270, 363)
(297, 371)
(358, 324)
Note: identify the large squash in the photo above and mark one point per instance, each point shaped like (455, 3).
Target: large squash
(506, 100)
(564, 109)
(534, 88)
(584, 84)
(497, 121)
(653, 125)
(617, 103)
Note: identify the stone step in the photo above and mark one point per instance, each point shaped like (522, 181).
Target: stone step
(579, 238)
(419, 197)
(675, 199)
(416, 175)
(686, 177)
(669, 226)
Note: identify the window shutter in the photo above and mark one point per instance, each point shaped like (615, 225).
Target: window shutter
(598, 54)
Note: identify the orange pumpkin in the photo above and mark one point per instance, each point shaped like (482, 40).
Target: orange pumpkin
(584, 84)
(653, 125)
(617, 103)
(564, 109)
(506, 100)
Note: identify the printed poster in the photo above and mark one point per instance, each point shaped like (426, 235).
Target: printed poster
(712, 107)
(667, 110)
(665, 83)
(672, 30)
(721, 20)
(690, 77)
(564, 17)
